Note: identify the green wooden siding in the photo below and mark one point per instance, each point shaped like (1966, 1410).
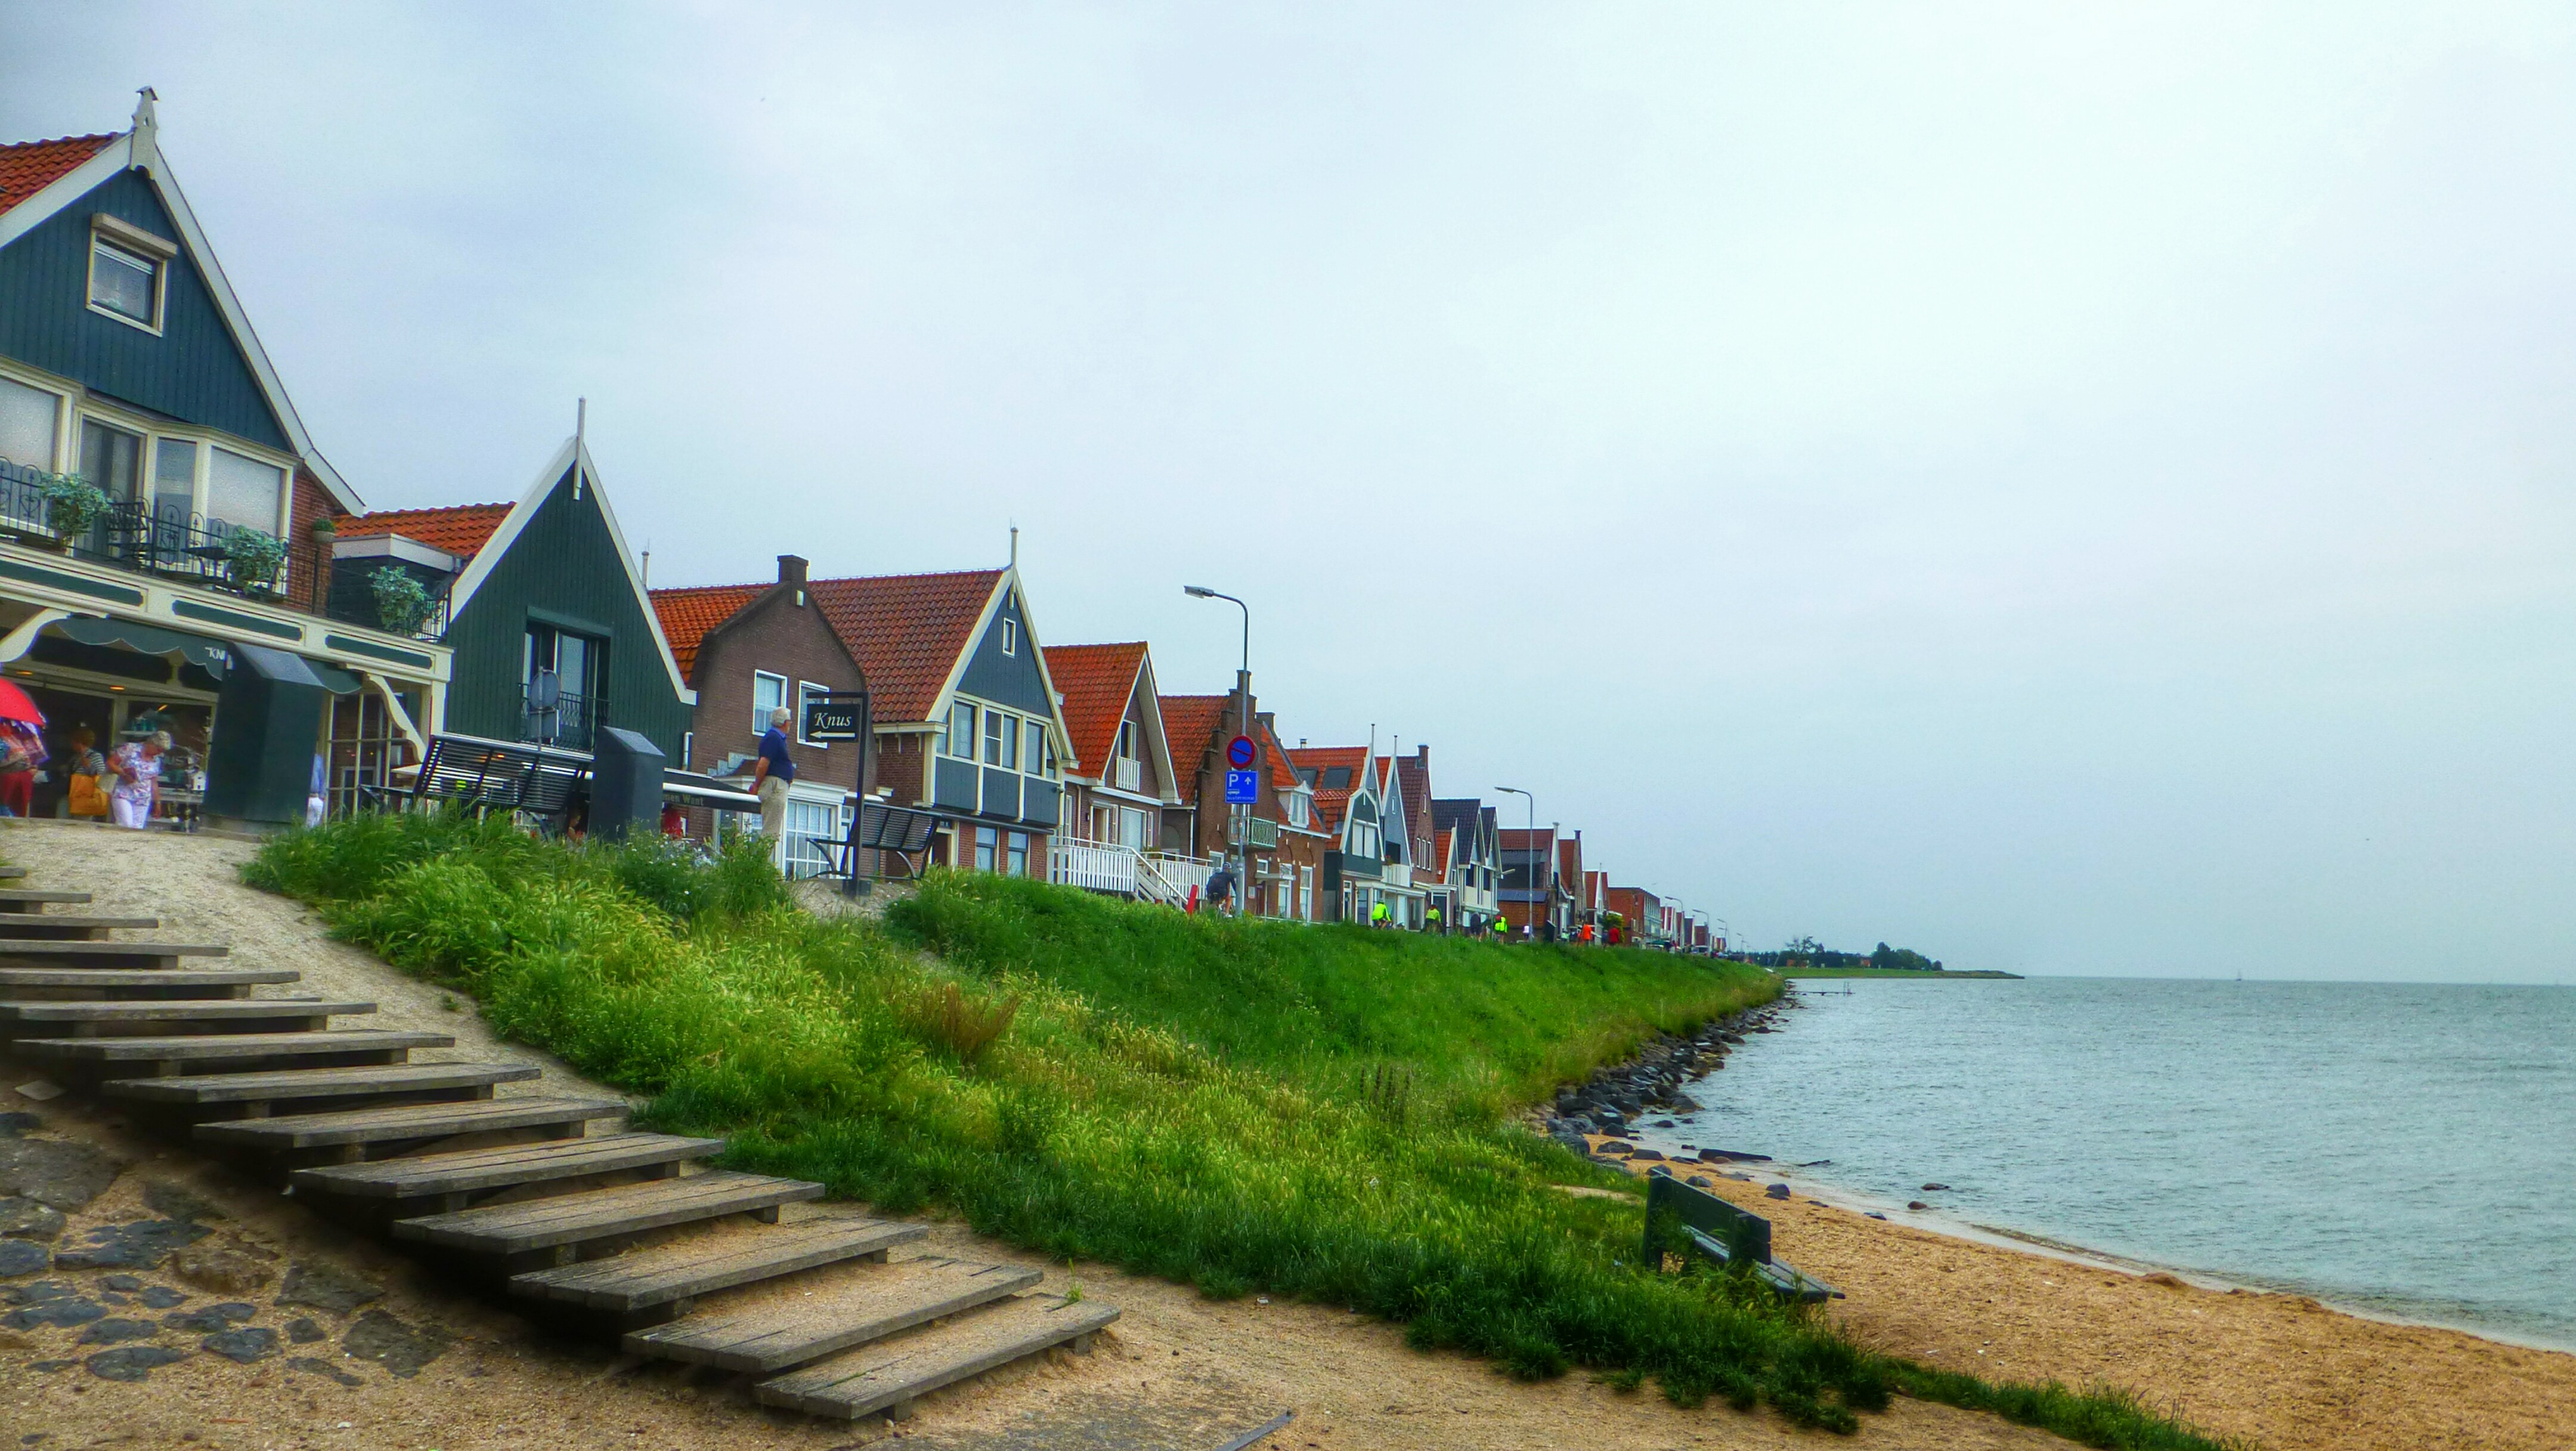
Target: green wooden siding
(193, 371)
(563, 570)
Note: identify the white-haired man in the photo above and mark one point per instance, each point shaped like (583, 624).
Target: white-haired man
(769, 779)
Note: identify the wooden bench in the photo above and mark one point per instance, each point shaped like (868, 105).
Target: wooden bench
(1724, 1233)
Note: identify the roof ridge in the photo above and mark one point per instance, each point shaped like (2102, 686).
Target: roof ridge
(99, 136)
(672, 589)
(430, 509)
(926, 574)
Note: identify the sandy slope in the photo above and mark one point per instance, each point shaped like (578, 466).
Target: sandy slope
(1178, 1371)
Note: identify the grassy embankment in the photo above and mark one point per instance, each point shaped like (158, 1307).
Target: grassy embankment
(1318, 1112)
(1894, 972)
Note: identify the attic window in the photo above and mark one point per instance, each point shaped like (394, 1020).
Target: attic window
(1010, 637)
(1337, 778)
(125, 285)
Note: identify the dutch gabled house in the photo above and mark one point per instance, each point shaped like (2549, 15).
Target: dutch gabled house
(1467, 845)
(1535, 893)
(750, 649)
(547, 602)
(127, 360)
(1360, 799)
(967, 719)
(1119, 777)
(1285, 840)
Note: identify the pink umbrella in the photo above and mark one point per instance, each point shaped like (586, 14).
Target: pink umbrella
(16, 705)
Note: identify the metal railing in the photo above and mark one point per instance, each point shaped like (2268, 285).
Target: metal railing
(569, 724)
(170, 543)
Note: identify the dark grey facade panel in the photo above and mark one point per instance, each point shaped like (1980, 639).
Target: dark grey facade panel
(1001, 793)
(1012, 679)
(1044, 800)
(194, 371)
(953, 784)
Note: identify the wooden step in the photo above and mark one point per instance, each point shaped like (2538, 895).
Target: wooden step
(888, 1374)
(644, 1279)
(210, 1089)
(29, 952)
(411, 1123)
(177, 1053)
(217, 1014)
(35, 899)
(569, 1219)
(475, 1171)
(11, 874)
(137, 983)
(772, 1327)
(41, 926)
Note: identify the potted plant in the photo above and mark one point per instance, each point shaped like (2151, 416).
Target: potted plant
(72, 505)
(402, 602)
(325, 529)
(254, 556)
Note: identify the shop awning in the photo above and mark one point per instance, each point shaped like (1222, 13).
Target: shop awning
(210, 655)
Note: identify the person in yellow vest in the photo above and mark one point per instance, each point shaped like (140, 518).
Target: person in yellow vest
(1379, 916)
(1434, 919)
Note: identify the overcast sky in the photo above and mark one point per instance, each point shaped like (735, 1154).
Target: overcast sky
(2068, 492)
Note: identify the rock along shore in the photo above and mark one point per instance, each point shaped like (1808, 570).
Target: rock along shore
(1651, 1081)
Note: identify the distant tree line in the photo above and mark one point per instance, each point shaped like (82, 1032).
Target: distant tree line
(1808, 952)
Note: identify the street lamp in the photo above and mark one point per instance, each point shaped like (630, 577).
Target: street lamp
(1241, 820)
(1533, 847)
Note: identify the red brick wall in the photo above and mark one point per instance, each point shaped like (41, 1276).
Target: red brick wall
(771, 634)
(310, 505)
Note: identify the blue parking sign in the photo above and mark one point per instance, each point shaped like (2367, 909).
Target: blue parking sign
(1242, 788)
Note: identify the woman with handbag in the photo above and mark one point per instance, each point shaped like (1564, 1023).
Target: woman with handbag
(86, 772)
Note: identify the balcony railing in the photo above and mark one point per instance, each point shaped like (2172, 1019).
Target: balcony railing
(568, 724)
(172, 544)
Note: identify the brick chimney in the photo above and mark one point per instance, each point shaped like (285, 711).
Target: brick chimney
(791, 570)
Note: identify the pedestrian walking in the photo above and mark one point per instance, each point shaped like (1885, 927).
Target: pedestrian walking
(137, 767)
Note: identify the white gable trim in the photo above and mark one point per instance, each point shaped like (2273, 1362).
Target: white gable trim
(573, 455)
(140, 150)
(1005, 586)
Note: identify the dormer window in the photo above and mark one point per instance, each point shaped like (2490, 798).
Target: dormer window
(128, 272)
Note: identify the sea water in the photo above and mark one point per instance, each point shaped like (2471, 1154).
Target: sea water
(2404, 1151)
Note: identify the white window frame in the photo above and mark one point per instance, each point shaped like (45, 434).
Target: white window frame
(74, 407)
(62, 411)
(1038, 762)
(1001, 747)
(138, 245)
(972, 749)
(802, 688)
(759, 712)
(1010, 636)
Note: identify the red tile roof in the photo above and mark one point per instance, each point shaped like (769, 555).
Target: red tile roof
(906, 631)
(1333, 803)
(1440, 851)
(461, 530)
(1190, 724)
(30, 166)
(688, 613)
(1096, 682)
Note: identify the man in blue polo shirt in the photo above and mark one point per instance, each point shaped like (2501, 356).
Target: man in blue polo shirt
(769, 779)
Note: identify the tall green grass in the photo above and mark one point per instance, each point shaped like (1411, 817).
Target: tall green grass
(1240, 1106)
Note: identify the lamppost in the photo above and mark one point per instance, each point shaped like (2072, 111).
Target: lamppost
(1239, 819)
(1532, 841)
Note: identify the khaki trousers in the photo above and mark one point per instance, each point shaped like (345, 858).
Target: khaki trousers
(773, 808)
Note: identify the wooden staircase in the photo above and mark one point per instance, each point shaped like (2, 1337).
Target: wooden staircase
(550, 1200)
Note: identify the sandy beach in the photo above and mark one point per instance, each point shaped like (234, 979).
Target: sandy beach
(2280, 1371)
